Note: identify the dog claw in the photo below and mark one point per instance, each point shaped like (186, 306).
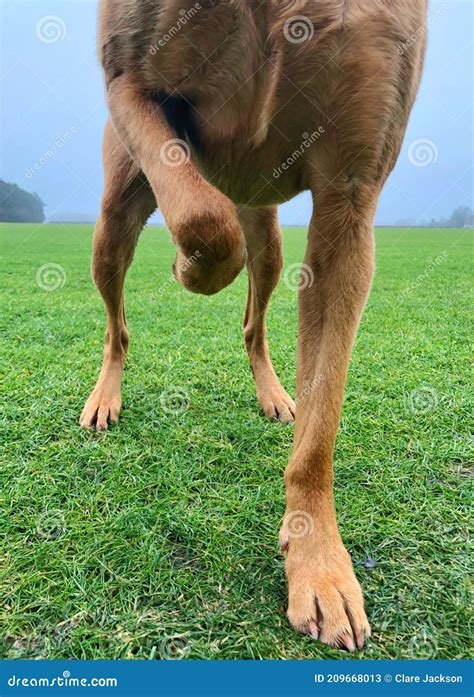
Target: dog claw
(324, 596)
(348, 643)
(360, 640)
(313, 629)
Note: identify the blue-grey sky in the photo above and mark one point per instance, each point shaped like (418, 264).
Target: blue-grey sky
(52, 100)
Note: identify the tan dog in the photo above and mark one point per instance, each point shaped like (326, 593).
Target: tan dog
(219, 111)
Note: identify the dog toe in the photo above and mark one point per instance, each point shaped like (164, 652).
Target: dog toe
(278, 406)
(99, 412)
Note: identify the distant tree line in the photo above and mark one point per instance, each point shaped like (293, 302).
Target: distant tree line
(18, 205)
(460, 217)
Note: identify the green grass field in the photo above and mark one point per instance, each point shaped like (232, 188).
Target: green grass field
(160, 538)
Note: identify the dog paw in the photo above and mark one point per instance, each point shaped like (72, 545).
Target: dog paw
(324, 597)
(277, 405)
(100, 410)
(211, 246)
(199, 273)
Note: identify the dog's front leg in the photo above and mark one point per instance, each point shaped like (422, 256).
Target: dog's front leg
(325, 599)
(203, 222)
(126, 205)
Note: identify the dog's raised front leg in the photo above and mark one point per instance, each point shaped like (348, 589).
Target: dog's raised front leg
(203, 222)
(127, 203)
(262, 234)
(325, 599)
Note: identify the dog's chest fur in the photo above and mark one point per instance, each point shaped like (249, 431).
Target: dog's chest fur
(241, 85)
